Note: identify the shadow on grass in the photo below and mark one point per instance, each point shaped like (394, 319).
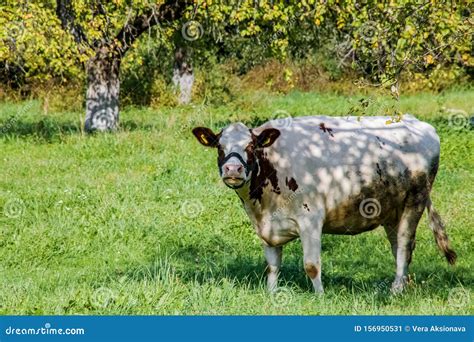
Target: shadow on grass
(49, 129)
(359, 276)
(46, 129)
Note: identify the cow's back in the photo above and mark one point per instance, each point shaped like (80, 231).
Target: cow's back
(337, 162)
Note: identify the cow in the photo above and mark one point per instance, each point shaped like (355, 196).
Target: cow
(332, 175)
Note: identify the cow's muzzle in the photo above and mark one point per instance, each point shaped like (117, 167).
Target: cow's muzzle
(234, 174)
(234, 182)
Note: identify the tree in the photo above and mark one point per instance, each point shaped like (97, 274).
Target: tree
(65, 40)
(102, 69)
(100, 33)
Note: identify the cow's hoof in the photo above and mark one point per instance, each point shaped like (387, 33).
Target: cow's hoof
(318, 290)
(399, 285)
(272, 287)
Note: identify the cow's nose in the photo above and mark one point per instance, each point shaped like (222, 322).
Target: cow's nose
(233, 168)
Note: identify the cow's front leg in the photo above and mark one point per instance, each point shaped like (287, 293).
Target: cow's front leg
(311, 241)
(273, 257)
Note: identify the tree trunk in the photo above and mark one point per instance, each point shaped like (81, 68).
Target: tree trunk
(103, 87)
(183, 76)
(103, 83)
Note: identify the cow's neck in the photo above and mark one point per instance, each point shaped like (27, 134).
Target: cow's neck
(264, 178)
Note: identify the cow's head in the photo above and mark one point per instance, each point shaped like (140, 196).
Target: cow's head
(236, 146)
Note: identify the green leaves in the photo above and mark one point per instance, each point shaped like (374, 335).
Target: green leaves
(379, 42)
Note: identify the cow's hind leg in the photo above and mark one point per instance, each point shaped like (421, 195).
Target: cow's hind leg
(273, 256)
(311, 240)
(405, 243)
(391, 231)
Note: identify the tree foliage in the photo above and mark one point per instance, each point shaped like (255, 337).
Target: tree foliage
(378, 41)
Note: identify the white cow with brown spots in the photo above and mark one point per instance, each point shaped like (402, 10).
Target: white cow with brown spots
(332, 175)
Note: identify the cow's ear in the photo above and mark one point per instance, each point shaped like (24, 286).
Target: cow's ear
(267, 137)
(206, 137)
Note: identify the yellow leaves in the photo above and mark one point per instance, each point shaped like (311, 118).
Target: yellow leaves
(288, 77)
(429, 59)
(409, 31)
(397, 117)
(340, 23)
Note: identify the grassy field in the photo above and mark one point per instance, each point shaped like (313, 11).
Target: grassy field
(138, 222)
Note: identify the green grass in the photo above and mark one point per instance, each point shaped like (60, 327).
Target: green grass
(138, 222)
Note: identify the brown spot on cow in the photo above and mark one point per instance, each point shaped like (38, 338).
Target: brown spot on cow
(291, 184)
(306, 206)
(311, 270)
(263, 173)
(379, 170)
(381, 142)
(325, 129)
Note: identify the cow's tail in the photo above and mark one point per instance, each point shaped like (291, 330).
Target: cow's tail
(439, 232)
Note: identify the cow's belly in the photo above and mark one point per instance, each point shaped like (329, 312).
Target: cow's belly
(277, 231)
(348, 229)
(363, 213)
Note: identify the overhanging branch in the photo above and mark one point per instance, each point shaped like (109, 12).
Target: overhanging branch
(170, 10)
(67, 16)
